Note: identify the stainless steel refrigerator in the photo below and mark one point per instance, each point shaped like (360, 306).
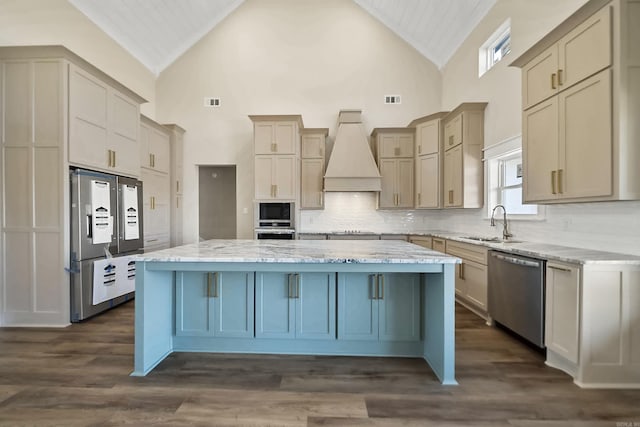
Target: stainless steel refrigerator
(106, 229)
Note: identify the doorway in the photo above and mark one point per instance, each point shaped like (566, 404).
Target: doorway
(217, 202)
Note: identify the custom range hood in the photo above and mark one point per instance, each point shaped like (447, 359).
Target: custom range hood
(351, 166)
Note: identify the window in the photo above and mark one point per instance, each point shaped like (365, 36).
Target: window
(504, 180)
(495, 48)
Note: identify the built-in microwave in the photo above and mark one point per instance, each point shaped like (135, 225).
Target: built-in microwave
(274, 214)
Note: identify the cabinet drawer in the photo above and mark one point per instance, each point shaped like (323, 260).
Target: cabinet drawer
(439, 244)
(467, 251)
(425, 242)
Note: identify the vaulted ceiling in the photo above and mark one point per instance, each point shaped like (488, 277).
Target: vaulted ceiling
(157, 32)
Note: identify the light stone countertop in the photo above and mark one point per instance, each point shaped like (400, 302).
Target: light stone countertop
(301, 251)
(542, 250)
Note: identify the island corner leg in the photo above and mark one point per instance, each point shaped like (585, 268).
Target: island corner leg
(153, 318)
(439, 323)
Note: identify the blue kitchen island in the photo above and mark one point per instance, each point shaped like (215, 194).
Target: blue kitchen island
(321, 297)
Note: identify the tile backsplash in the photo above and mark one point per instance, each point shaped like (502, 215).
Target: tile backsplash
(607, 226)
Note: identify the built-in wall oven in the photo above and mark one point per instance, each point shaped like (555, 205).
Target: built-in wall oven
(275, 220)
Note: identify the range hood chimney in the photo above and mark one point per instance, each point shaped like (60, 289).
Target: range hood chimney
(351, 166)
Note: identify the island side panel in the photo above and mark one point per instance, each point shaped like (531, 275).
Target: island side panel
(439, 323)
(153, 318)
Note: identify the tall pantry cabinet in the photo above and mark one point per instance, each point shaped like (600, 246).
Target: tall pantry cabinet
(57, 110)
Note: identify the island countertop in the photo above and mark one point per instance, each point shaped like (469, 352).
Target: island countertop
(301, 251)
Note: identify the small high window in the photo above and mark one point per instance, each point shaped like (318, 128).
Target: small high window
(495, 48)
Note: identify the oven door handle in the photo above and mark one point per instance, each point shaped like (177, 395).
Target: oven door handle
(517, 261)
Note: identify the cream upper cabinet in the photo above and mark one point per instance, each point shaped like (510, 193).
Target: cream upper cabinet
(395, 155)
(581, 53)
(275, 177)
(176, 176)
(156, 209)
(103, 125)
(463, 176)
(562, 302)
(313, 141)
(428, 161)
(580, 100)
(277, 157)
(276, 134)
(155, 146)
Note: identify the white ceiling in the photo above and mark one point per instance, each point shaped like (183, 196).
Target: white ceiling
(157, 32)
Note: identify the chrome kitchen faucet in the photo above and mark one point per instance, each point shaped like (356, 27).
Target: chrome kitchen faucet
(505, 230)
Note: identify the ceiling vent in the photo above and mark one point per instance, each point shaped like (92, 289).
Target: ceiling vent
(212, 102)
(392, 99)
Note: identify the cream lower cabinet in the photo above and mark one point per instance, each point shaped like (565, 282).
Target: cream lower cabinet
(471, 275)
(562, 302)
(177, 187)
(438, 244)
(424, 241)
(452, 182)
(155, 210)
(275, 177)
(591, 323)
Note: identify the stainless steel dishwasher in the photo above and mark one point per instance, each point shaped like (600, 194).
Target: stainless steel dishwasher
(516, 294)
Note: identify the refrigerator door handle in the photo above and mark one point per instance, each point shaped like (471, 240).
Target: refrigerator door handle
(89, 226)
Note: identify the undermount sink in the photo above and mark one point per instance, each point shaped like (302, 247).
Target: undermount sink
(491, 239)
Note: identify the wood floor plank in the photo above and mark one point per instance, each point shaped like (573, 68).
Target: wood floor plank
(80, 376)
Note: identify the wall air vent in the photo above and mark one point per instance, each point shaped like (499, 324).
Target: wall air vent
(212, 102)
(392, 99)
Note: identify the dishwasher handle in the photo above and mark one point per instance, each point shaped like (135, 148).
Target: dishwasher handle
(517, 261)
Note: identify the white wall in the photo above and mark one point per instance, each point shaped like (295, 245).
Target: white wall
(57, 22)
(303, 57)
(613, 226)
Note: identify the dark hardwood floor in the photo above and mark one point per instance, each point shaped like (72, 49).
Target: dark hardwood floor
(79, 376)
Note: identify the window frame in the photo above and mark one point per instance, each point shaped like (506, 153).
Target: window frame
(486, 53)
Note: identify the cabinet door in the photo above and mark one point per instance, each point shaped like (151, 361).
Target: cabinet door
(357, 307)
(425, 242)
(388, 145)
(586, 50)
(313, 146)
(586, 146)
(428, 137)
(562, 298)
(315, 297)
(539, 77)
(275, 306)
(405, 145)
(123, 135)
(156, 210)
(158, 155)
(387, 197)
(439, 244)
(285, 137)
(453, 170)
(404, 183)
(453, 132)
(285, 175)
(399, 307)
(193, 304)
(540, 151)
(233, 294)
(263, 177)
(428, 181)
(461, 284)
(88, 119)
(311, 177)
(474, 276)
(275, 137)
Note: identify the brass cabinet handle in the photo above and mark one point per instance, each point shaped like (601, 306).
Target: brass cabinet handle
(212, 285)
(419, 194)
(553, 267)
(461, 271)
(150, 160)
(177, 186)
(396, 151)
(553, 182)
(450, 139)
(373, 285)
(297, 286)
(290, 294)
(114, 158)
(450, 197)
(275, 190)
(553, 81)
(381, 285)
(560, 77)
(108, 158)
(560, 173)
(419, 148)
